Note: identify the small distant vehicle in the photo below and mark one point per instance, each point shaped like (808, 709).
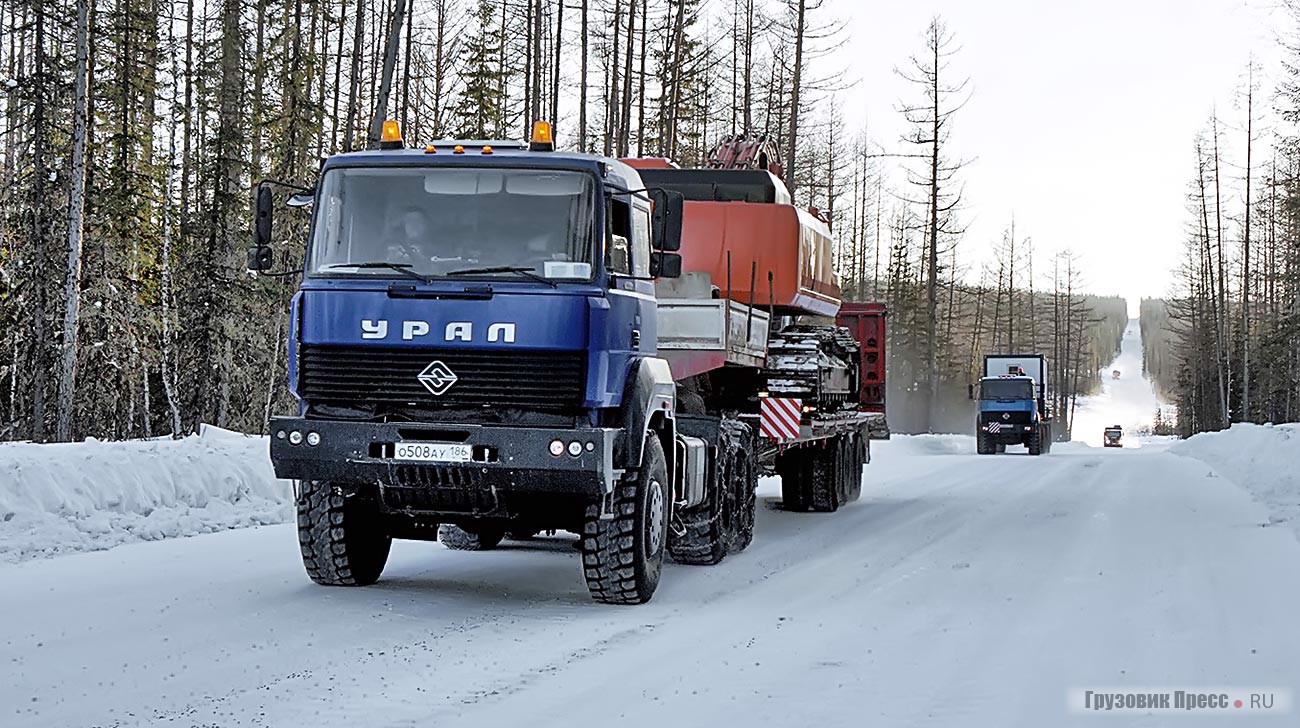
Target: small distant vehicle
(1114, 374)
(1112, 436)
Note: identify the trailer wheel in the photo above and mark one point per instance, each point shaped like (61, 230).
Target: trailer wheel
(622, 556)
(458, 538)
(827, 479)
(341, 536)
(795, 469)
(858, 458)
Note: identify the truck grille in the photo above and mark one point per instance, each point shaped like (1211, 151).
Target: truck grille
(549, 380)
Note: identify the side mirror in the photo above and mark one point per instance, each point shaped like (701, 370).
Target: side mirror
(970, 391)
(666, 265)
(260, 258)
(262, 219)
(666, 219)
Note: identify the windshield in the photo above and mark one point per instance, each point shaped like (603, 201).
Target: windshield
(453, 221)
(1006, 389)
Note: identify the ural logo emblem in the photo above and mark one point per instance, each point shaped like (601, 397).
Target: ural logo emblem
(1005, 415)
(437, 378)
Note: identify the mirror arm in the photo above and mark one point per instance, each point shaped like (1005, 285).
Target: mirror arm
(288, 185)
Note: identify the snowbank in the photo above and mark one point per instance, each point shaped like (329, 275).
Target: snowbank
(91, 495)
(1264, 459)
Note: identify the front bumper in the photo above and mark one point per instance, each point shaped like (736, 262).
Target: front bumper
(505, 459)
(1007, 434)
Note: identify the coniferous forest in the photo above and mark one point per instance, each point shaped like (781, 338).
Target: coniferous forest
(135, 130)
(1225, 346)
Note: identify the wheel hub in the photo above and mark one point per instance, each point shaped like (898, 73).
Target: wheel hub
(655, 519)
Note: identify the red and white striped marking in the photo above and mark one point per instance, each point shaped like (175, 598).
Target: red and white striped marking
(781, 418)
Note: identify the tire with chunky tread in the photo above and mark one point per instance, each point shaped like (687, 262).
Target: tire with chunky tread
(857, 460)
(457, 538)
(622, 556)
(795, 469)
(1035, 441)
(826, 478)
(982, 444)
(703, 541)
(341, 536)
(746, 505)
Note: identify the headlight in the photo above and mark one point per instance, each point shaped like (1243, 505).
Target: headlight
(575, 448)
(313, 438)
(295, 438)
(557, 448)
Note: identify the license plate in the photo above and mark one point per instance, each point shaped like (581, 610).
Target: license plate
(436, 452)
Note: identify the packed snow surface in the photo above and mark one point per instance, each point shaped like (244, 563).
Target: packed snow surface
(1264, 459)
(85, 496)
(1129, 401)
(961, 590)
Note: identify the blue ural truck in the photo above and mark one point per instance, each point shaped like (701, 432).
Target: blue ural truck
(1013, 405)
(495, 339)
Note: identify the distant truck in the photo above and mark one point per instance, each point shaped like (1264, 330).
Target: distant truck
(1013, 405)
(1112, 435)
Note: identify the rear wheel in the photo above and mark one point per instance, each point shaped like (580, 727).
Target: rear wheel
(827, 478)
(622, 556)
(795, 468)
(458, 538)
(857, 459)
(340, 534)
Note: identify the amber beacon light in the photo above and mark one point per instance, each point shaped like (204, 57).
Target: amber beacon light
(541, 141)
(391, 136)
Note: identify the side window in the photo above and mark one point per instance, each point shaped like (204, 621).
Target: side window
(618, 253)
(641, 242)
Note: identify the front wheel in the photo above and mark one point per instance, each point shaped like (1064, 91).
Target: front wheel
(623, 555)
(1035, 443)
(340, 534)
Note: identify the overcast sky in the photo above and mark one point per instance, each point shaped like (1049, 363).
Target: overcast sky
(1082, 117)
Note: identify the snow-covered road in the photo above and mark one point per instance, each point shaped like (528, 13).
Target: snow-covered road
(960, 591)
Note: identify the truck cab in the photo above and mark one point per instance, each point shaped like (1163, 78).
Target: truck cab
(473, 346)
(1012, 407)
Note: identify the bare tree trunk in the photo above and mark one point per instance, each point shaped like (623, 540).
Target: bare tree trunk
(76, 225)
(792, 142)
(386, 81)
(1245, 251)
(358, 33)
(582, 85)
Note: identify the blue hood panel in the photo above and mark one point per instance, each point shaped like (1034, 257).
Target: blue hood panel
(513, 320)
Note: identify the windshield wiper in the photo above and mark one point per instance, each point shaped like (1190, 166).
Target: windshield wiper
(403, 268)
(526, 271)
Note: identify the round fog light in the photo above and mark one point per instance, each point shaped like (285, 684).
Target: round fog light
(279, 435)
(591, 446)
(575, 448)
(557, 448)
(313, 438)
(295, 437)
